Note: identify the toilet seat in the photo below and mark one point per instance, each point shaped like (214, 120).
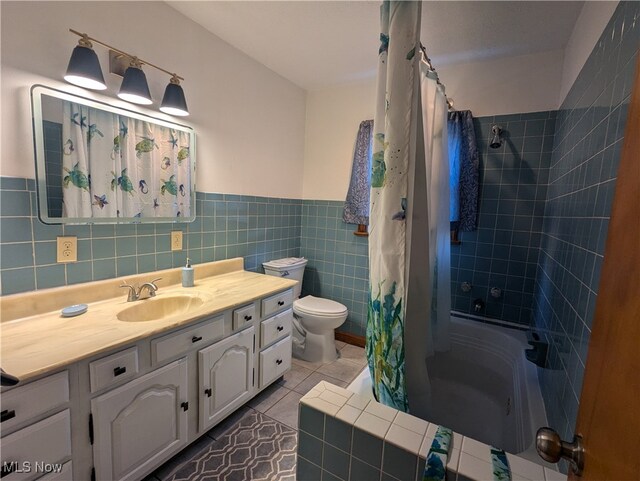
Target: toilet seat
(319, 307)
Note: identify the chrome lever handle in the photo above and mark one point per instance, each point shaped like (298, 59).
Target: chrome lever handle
(552, 449)
(133, 296)
(151, 288)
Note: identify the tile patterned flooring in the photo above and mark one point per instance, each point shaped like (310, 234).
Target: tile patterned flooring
(258, 442)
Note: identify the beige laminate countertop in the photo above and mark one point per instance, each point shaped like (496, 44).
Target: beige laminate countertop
(35, 345)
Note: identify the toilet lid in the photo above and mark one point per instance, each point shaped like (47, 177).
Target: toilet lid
(319, 307)
(286, 262)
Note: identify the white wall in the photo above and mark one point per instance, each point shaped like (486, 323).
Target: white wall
(593, 18)
(527, 83)
(332, 121)
(249, 120)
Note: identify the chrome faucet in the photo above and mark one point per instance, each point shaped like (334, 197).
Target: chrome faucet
(137, 295)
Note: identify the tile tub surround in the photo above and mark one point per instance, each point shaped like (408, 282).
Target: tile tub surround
(345, 436)
(588, 143)
(338, 267)
(226, 226)
(503, 251)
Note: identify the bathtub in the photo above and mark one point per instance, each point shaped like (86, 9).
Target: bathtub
(483, 387)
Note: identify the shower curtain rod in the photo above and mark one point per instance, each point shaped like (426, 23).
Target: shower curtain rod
(433, 69)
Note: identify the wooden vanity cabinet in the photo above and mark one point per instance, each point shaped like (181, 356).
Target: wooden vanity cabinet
(41, 446)
(121, 414)
(226, 376)
(275, 344)
(140, 424)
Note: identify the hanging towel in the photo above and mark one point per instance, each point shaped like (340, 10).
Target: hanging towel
(501, 468)
(356, 207)
(436, 466)
(464, 170)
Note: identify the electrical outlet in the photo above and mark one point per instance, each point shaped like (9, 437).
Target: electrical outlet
(176, 240)
(67, 249)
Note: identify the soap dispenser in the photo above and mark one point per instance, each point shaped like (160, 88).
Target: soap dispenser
(187, 275)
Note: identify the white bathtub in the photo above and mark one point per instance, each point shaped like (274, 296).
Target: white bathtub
(484, 387)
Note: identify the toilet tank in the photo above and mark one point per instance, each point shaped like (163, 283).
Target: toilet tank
(290, 267)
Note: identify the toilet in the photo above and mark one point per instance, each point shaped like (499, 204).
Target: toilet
(314, 318)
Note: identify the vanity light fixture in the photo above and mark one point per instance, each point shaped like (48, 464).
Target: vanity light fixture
(134, 87)
(84, 70)
(173, 102)
(84, 67)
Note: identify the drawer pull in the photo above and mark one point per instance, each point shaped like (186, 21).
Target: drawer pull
(8, 467)
(208, 392)
(279, 361)
(247, 318)
(280, 328)
(281, 303)
(184, 406)
(119, 370)
(6, 415)
(196, 338)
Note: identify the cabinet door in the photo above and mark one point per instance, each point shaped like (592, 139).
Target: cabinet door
(46, 442)
(140, 424)
(226, 376)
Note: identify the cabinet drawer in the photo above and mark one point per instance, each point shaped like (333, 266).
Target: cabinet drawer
(111, 369)
(47, 441)
(275, 361)
(277, 303)
(243, 315)
(275, 327)
(26, 402)
(173, 345)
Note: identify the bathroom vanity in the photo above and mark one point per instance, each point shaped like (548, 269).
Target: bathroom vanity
(115, 392)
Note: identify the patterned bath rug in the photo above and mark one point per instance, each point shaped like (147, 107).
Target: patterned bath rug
(436, 466)
(256, 448)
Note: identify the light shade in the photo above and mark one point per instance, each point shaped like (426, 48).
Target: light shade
(84, 69)
(134, 87)
(173, 102)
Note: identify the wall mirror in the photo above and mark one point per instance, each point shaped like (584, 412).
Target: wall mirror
(96, 163)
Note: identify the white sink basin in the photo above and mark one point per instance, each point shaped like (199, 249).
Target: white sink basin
(158, 308)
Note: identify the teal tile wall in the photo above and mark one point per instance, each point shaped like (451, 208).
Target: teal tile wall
(338, 266)
(256, 228)
(588, 141)
(53, 158)
(503, 251)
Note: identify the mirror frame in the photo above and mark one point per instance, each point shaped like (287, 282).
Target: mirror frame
(37, 91)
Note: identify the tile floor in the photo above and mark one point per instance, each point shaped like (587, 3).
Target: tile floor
(258, 441)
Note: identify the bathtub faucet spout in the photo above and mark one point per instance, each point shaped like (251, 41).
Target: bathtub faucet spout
(478, 305)
(537, 354)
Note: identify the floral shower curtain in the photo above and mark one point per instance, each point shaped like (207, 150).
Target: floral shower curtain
(116, 166)
(394, 134)
(410, 291)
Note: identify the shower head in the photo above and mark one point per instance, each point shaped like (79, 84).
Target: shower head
(496, 141)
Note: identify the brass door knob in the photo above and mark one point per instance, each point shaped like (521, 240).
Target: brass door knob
(552, 449)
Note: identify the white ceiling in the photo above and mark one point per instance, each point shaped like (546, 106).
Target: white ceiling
(319, 44)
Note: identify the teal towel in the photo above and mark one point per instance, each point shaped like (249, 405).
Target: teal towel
(501, 468)
(436, 466)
